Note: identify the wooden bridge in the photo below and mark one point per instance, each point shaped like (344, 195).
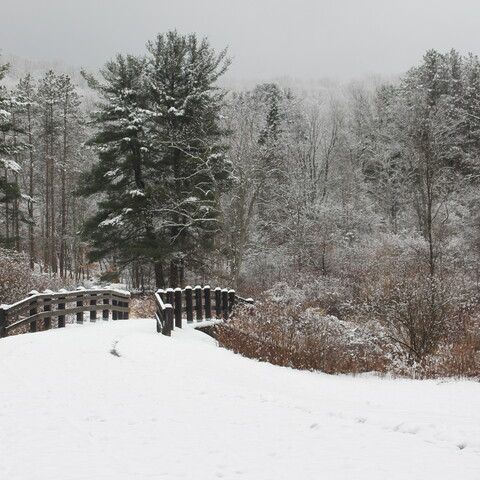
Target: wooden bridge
(193, 304)
(43, 311)
(50, 310)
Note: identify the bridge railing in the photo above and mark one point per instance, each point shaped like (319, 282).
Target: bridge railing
(50, 309)
(193, 304)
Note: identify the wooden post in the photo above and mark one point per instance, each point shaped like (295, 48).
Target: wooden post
(61, 318)
(47, 321)
(198, 303)
(189, 304)
(3, 322)
(231, 300)
(178, 307)
(208, 302)
(80, 304)
(33, 311)
(105, 312)
(158, 316)
(171, 301)
(120, 312)
(114, 310)
(93, 313)
(126, 314)
(168, 327)
(218, 302)
(225, 303)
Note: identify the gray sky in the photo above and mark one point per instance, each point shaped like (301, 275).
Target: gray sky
(341, 39)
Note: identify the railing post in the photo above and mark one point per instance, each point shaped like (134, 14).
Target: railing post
(178, 307)
(171, 302)
(231, 300)
(80, 304)
(3, 322)
(189, 303)
(168, 327)
(61, 318)
(105, 311)
(114, 310)
(158, 315)
(198, 303)
(218, 302)
(208, 302)
(225, 303)
(93, 313)
(33, 311)
(47, 321)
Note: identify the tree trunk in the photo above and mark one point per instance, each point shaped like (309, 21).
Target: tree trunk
(31, 190)
(159, 276)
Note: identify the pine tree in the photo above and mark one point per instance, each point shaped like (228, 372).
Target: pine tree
(189, 162)
(122, 226)
(160, 160)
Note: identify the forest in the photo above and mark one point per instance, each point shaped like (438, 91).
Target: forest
(358, 201)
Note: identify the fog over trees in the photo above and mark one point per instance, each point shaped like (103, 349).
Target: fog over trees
(367, 196)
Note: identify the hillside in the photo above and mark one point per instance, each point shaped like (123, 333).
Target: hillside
(116, 401)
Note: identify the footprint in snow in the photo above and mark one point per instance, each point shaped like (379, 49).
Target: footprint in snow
(114, 351)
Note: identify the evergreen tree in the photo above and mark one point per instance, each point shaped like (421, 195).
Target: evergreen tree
(122, 226)
(189, 165)
(160, 159)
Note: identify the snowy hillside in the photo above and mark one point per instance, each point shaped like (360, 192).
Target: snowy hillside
(116, 401)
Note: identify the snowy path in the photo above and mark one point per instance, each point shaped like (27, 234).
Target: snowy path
(180, 407)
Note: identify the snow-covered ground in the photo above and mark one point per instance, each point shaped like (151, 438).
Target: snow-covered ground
(181, 407)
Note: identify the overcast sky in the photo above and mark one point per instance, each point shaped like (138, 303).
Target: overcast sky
(342, 39)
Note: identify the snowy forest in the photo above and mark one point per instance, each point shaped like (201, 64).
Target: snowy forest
(358, 200)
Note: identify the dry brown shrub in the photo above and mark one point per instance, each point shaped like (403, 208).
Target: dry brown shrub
(287, 335)
(458, 355)
(142, 306)
(283, 333)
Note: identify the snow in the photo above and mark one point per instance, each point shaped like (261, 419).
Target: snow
(11, 165)
(176, 112)
(136, 193)
(112, 221)
(112, 173)
(117, 401)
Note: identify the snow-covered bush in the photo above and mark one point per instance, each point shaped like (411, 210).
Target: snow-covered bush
(16, 278)
(284, 333)
(384, 311)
